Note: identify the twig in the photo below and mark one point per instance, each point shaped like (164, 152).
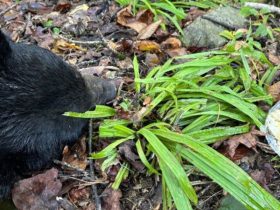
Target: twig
(91, 171)
(8, 9)
(81, 42)
(110, 45)
(271, 8)
(71, 167)
(85, 180)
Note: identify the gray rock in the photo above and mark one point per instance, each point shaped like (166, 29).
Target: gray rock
(205, 30)
(227, 17)
(204, 33)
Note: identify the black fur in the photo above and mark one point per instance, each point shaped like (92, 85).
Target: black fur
(36, 88)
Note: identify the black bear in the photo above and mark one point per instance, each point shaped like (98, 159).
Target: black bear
(36, 88)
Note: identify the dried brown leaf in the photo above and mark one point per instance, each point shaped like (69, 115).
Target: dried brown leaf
(61, 46)
(248, 139)
(274, 59)
(176, 52)
(274, 90)
(146, 45)
(171, 43)
(152, 60)
(148, 31)
(38, 192)
(111, 200)
(137, 26)
(79, 194)
(76, 156)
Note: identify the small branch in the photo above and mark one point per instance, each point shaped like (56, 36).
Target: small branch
(81, 42)
(91, 171)
(271, 8)
(62, 163)
(8, 9)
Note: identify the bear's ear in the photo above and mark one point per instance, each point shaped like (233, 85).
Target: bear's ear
(4, 45)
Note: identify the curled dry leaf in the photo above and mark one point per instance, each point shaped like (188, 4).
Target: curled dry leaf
(142, 20)
(171, 43)
(148, 31)
(263, 176)
(248, 139)
(147, 101)
(76, 155)
(126, 151)
(63, 6)
(173, 47)
(274, 90)
(152, 60)
(61, 46)
(125, 64)
(176, 52)
(79, 194)
(274, 59)
(111, 199)
(38, 192)
(146, 45)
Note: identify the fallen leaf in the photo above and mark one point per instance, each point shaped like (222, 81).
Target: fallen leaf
(63, 6)
(148, 31)
(61, 46)
(145, 16)
(152, 60)
(171, 43)
(247, 139)
(274, 59)
(77, 155)
(126, 151)
(111, 199)
(142, 20)
(125, 64)
(137, 26)
(147, 101)
(124, 45)
(274, 90)
(239, 44)
(176, 52)
(146, 45)
(124, 15)
(79, 194)
(38, 192)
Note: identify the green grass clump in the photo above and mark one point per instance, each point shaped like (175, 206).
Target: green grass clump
(197, 99)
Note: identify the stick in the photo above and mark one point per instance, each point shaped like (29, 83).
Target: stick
(271, 8)
(81, 42)
(91, 171)
(8, 9)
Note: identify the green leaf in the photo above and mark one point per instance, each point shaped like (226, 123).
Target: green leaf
(136, 74)
(212, 135)
(245, 74)
(223, 171)
(99, 112)
(115, 128)
(180, 199)
(122, 175)
(110, 148)
(144, 159)
(171, 162)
